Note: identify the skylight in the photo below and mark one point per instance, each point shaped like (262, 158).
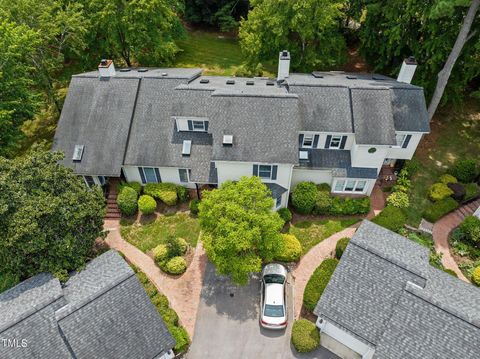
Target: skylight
(78, 152)
(187, 146)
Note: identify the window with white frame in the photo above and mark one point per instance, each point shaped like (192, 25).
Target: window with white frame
(400, 139)
(307, 141)
(350, 186)
(198, 126)
(265, 171)
(183, 174)
(278, 201)
(149, 175)
(335, 142)
(89, 181)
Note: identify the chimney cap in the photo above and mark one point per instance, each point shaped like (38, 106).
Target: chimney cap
(411, 60)
(284, 55)
(104, 63)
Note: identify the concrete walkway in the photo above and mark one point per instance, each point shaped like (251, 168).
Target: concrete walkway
(442, 229)
(182, 292)
(310, 261)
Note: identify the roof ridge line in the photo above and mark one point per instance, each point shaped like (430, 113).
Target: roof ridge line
(134, 110)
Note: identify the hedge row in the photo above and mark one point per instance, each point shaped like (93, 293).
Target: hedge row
(318, 282)
(392, 218)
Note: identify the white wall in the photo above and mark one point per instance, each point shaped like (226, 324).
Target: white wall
(323, 138)
(405, 153)
(368, 187)
(309, 175)
(168, 174)
(362, 158)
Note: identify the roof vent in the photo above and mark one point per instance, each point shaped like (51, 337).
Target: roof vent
(125, 70)
(250, 83)
(187, 146)
(78, 152)
(227, 140)
(230, 82)
(204, 81)
(351, 77)
(142, 70)
(303, 155)
(377, 77)
(270, 83)
(164, 74)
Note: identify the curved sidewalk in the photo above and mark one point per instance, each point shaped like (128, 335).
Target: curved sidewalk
(183, 292)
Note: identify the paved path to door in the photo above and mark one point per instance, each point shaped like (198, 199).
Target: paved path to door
(442, 229)
(182, 292)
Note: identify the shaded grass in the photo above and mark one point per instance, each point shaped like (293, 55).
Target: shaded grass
(310, 233)
(148, 236)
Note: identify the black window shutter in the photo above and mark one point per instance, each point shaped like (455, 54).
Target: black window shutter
(342, 144)
(315, 141)
(190, 125)
(300, 140)
(255, 170)
(407, 140)
(157, 173)
(206, 126)
(274, 172)
(142, 176)
(327, 142)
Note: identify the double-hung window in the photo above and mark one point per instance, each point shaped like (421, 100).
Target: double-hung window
(183, 174)
(198, 126)
(307, 141)
(335, 141)
(400, 139)
(149, 175)
(350, 186)
(265, 171)
(89, 181)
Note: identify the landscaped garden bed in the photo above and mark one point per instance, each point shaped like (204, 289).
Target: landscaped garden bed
(465, 247)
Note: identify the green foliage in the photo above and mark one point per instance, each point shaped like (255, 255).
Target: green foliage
(403, 180)
(181, 337)
(49, 220)
(8, 280)
(323, 203)
(160, 253)
(439, 209)
(318, 282)
(465, 170)
(134, 185)
(476, 276)
(349, 206)
(240, 229)
(324, 187)
(182, 193)
(291, 249)
(439, 191)
(249, 71)
(410, 168)
(176, 246)
(309, 29)
(471, 190)
(304, 197)
(166, 192)
(194, 204)
(392, 218)
(146, 204)
(285, 214)
(451, 272)
(470, 227)
(175, 265)
(127, 201)
(458, 191)
(341, 246)
(398, 199)
(223, 14)
(446, 179)
(305, 336)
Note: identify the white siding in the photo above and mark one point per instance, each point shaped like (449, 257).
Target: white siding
(167, 174)
(322, 139)
(405, 153)
(368, 187)
(307, 175)
(362, 158)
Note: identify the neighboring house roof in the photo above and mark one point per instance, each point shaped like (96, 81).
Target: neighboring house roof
(103, 311)
(385, 293)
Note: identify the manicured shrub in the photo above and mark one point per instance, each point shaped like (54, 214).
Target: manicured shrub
(458, 190)
(470, 227)
(182, 194)
(439, 191)
(476, 276)
(127, 201)
(446, 178)
(324, 187)
(304, 196)
(399, 188)
(471, 190)
(464, 170)
(318, 282)
(168, 315)
(176, 246)
(182, 340)
(176, 265)
(323, 203)
(341, 246)
(398, 199)
(166, 192)
(392, 218)
(439, 209)
(291, 250)
(183, 245)
(135, 185)
(349, 206)
(147, 204)
(285, 214)
(194, 203)
(305, 336)
(160, 253)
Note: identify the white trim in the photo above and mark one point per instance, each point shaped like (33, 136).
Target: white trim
(340, 137)
(312, 139)
(271, 171)
(154, 173)
(402, 142)
(355, 185)
(188, 175)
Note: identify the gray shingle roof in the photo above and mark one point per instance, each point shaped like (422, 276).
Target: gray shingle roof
(337, 160)
(103, 311)
(386, 294)
(410, 110)
(276, 189)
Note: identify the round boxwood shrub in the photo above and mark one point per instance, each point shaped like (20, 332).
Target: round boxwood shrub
(392, 218)
(182, 193)
(305, 336)
(398, 199)
(304, 196)
(476, 276)
(160, 253)
(341, 246)
(127, 201)
(318, 282)
(135, 185)
(439, 191)
(166, 192)
(291, 251)
(176, 265)
(194, 203)
(147, 204)
(182, 243)
(464, 170)
(323, 203)
(285, 214)
(324, 187)
(446, 178)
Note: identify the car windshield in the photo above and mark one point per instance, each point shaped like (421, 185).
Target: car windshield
(274, 278)
(273, 310)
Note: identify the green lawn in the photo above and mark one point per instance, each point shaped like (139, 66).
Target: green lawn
(148, 236)
(455, 137)
(310, 233)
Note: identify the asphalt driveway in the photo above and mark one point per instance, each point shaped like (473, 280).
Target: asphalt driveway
(227, 324)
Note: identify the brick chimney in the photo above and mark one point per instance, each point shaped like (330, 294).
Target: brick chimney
(408, 70)
(106, 68)
(283, 65)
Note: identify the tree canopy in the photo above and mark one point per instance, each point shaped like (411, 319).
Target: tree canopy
(309, 29)
(223, 14)
(240, 228)
(49, 220)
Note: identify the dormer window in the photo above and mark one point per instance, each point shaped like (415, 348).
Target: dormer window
(335, 141)
(194, 124)
(198, 126)
(307, 141)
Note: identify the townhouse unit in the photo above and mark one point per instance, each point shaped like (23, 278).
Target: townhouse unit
(175, 125)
